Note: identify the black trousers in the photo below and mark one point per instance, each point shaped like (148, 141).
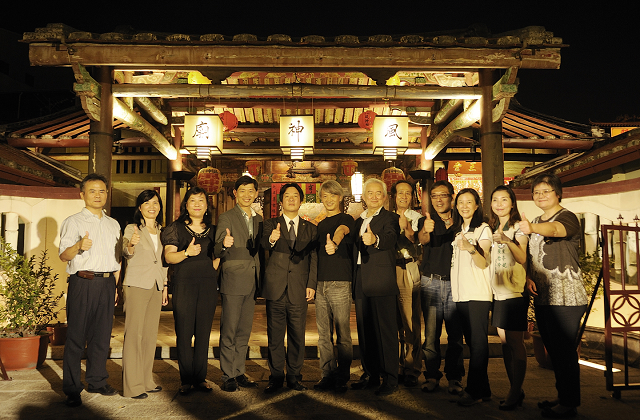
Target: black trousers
(284, 316)
(475, 316)
(90, 306)
(377, 333)
(559, 327)
(194, 304)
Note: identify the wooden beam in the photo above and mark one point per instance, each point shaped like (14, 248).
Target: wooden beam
(297, 91)
(252, 57)
(316, 103)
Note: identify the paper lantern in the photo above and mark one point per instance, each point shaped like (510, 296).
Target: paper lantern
(392, 175)
(390, 135)
(202, 135)
(365, 120)
(296, 135)
(210, 180)
(349, 167)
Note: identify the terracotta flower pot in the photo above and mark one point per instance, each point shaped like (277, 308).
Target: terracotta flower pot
(59, 334)
(20, 353)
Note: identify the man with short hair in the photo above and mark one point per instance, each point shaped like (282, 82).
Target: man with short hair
(408, 279)
(375, 291)
(90, 242)
(289, 284)
(436, 233)
(333, 294)
(238, 246)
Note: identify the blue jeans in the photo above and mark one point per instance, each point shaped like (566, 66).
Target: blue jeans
(438, 306)
(333, 307)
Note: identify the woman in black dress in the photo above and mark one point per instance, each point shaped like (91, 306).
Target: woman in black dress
(188, 246)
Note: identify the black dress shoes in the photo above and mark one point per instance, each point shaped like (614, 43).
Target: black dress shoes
(366, 382)
(230, 385)
(73, 400)
(324, 384)
(273, 386)
(156, 389)
(296, 386)
(104, 390)
(203, 387)
(553, 414)
(340, 386)
(386, 389)
(410, 381)
(141, 396)
(245, 382)
(185, 389)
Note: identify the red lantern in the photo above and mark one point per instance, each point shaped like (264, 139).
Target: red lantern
(441, 175)
(229, 121)
(349, 167)
(392, 175)
(365, 120)
(210, 180)
(254, 167)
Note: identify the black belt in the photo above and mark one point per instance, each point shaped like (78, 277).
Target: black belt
(89, 275)
(402, 262)
(439, 277)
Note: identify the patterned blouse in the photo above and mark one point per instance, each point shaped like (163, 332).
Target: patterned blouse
(554, 264)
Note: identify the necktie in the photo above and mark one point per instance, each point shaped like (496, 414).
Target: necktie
(292, 231)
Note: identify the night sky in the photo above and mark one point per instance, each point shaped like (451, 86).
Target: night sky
(597, 80)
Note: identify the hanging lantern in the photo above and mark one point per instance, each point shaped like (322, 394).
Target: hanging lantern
(365, 120)
(210, 180)
(296, 135)
(349, 167)
(392, 175)
(441, 175)
(390, 135)
(229, 121)
(254, 167)
(356, 186)
(202, 135)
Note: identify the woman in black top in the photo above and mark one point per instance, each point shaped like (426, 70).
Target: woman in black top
(188, 246)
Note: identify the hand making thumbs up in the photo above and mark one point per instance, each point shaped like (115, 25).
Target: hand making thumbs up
(331, 246)
(275, 234)
(193, 249)
(525, 225)
(429, 224)
(135, 238)
(228, 240)
(368, 238)
(85, 243)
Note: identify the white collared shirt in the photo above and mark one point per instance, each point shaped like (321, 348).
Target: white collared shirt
(296, 222)
(104, 232)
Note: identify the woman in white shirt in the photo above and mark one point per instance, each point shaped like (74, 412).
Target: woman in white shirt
(471, 290)
(508, 258)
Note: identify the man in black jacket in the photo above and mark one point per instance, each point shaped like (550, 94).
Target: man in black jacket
(289, 284)
(375, 290)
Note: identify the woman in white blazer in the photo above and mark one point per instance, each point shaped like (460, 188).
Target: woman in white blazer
(145, 292)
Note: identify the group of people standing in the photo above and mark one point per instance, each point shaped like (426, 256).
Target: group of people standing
(466, 269)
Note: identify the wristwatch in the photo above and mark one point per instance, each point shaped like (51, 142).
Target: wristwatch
(473, 251)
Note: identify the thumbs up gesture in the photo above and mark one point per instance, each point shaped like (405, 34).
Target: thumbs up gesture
(429, 224)
(135, 238)
(368, 238)
(193, 249)
(228, 240)
(525, 225)
(331, 246)
(403, 221)
(85, 243)
(275, 234)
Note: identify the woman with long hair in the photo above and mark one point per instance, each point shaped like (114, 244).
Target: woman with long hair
(508, 258)
(471, 289)
(145, 292)
(188, 246)
(555, 280)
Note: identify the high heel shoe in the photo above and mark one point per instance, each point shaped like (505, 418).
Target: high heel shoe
(511, 407)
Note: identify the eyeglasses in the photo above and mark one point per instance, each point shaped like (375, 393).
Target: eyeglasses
(542, 192)
(440, 196)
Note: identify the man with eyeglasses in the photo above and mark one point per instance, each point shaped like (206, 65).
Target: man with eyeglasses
(436, 233)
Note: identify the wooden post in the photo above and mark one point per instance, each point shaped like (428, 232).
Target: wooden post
(101, 133)
(490, 142)
(173, 185)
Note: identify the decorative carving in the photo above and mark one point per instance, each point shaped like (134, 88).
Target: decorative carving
(312, 39)
(212, 37)
(412, 39)
(279, 38)
(347, 39)
(178, 37)
(381, 39)
(245, 38)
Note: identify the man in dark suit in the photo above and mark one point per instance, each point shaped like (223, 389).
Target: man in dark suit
(289, 283)
(238, 246)
(375, 291)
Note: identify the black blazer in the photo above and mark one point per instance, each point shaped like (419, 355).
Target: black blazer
(378, 264)
(242, 263)
(290, 266)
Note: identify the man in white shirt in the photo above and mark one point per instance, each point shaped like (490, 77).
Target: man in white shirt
(90, 242)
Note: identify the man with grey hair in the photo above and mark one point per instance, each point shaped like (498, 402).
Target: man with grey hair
(375, 291)
(333, 292)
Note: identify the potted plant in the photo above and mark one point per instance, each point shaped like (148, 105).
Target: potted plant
(590, 264)
(28, 303)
